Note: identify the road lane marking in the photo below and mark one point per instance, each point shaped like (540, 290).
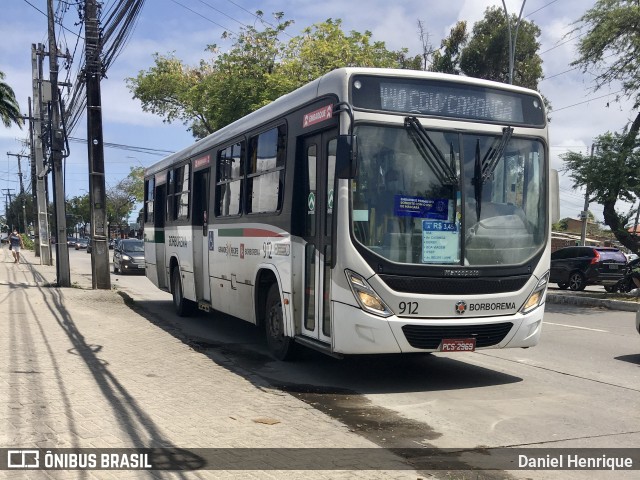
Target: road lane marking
(579, 328)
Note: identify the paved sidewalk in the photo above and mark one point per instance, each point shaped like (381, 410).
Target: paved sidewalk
(80, 369)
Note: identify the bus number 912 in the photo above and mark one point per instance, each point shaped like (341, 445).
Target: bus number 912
(408, 308)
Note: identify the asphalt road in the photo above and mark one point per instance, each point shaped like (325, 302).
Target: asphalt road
(579, 388)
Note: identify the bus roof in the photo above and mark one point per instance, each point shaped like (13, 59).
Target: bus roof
(334, 82)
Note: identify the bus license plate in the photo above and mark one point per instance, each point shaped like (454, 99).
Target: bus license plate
(458, 345)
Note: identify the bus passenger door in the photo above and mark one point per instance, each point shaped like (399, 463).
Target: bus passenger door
(319, 163)
(200, 234)
(160, 213)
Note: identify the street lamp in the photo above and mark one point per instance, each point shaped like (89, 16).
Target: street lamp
(512, 40)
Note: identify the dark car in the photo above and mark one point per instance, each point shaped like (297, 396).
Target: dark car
(577, 267)
(128, 256)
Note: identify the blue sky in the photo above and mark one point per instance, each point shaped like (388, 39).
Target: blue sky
(186, 27)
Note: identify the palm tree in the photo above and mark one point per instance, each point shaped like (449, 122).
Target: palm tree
(9, 108)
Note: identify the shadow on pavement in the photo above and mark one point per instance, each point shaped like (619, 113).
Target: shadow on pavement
(131, 418)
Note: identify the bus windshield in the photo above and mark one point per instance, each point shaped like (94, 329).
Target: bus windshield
(448, 198)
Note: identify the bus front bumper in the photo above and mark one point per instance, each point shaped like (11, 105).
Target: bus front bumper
(358, 332)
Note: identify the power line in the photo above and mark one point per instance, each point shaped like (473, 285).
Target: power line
(563, 43)
(206, 18)
(43, 13)
(131, 148)
(221, 12)
(586, 101)
(541, 8)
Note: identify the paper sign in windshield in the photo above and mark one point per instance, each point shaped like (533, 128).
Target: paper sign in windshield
(433, 208)
(440, 242)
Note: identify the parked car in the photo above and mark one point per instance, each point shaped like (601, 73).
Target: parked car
(81, 243)
(577, 267)
(128, 256)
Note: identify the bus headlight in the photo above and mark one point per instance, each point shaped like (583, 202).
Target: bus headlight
(366, 296)
(537, 295)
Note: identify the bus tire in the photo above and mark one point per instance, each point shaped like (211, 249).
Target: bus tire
(182, 305)
(280, 346)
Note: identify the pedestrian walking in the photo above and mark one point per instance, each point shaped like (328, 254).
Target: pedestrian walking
(15, 244)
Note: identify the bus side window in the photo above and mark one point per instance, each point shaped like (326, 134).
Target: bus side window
(265, 175)
(230, 170)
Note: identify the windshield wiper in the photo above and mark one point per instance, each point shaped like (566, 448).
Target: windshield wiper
(492, 157)
(434, 157)
(484, 168)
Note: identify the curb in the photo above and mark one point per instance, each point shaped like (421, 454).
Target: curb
(582, 301)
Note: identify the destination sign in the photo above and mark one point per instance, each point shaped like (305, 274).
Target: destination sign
(446, 99)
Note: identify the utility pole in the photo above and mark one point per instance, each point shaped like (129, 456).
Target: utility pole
(7, 204)
(19, 156)
(62, 250)
(40, 181)
(97, 195)
(584, 215)
(24, 209)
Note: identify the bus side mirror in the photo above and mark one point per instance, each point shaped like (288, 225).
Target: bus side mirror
(347, 156)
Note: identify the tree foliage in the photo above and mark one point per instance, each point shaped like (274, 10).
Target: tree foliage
(258, 68)
(608, 177)
(447, 59)
(610, 46)
(9, 108)
(133, 184)
(485, 52)
(78, 211)
(15, 214)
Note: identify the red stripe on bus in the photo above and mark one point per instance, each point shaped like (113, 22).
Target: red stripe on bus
(258, 232)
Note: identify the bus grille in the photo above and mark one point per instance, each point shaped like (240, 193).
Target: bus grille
(430, 336)
(455, 286)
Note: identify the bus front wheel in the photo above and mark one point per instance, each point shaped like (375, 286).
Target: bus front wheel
(280, 346)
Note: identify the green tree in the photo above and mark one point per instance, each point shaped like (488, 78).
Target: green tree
(562, 225)
(133, 184)
(257, 69)
(324, 47)
(447, 59)
(9, 108)
(120, 204)
(78, 211)
(485, 52)
(16, 213)
(609, 177)
(610, 47)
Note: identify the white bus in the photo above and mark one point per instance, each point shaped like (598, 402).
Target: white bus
(371, 211)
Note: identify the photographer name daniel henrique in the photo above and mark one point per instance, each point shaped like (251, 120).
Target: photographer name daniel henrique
(575, 462)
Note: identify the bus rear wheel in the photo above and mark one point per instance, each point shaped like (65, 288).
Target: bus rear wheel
(280, 346)
(182, 305)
